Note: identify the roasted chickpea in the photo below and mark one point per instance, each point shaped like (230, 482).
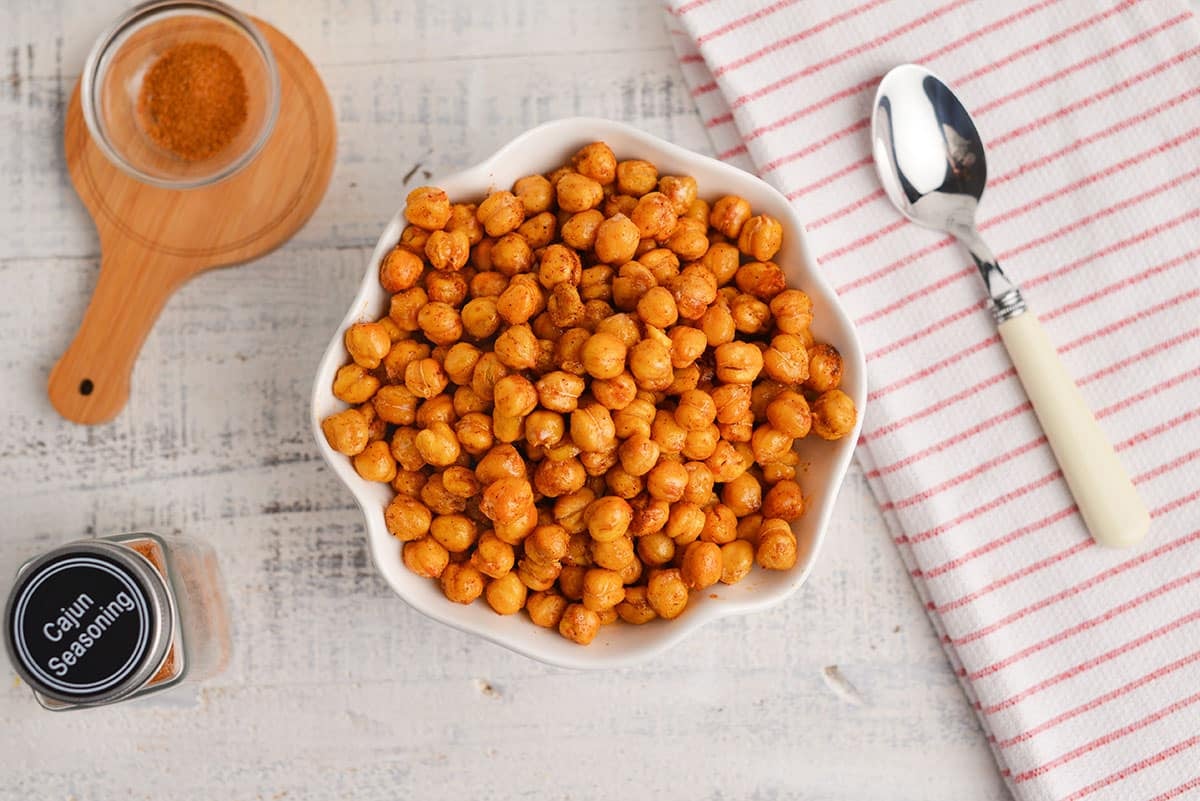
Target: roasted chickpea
(439, 501)
(696, 410)
(592, 429)
(689, 240)
(578, 193)
(512, 255)
(636, 607)
(353, 384)
(694, 290)
(604, 355)
(638, 454)
(655, 216)
(517, 347)
(636, 177)
(461, 582)
(760, 237)
(614, 554)
(824, 368)
(455, 532)
(580, 230)
(633, 281)
(401, 269)
(446, 287)
(425, 378)
(833, 414)
(395, 404)
(636, 418)
(667, 481)
(480, 317)
(657, 308)
(597, 162)
(776, 546)
(602, 589)
(474, 432)
(506, 595)
(521, 301)
(406, 518)
(514, 396)
(615, 393)
(375, 463)
(448, 250)
(787, 360)
(559, 391)
(461, 481)
(743, 495)
(720, 525)
(769, 444)
(666, 433)
(545, 608)
(622, 483)
(738, 362)
(650, 363)
(579, 624)
(538, 231)
(506, 498)
(500, 213)
(763, 280)
(789, 413)
(488, 284)
(701, 565)
(667, 594)
(538, 576)
(737, 558)
(346, 432)
(426, 557)
(750, 315)
(717, 324)
(731, 402)
(761, 396)
(413, 239)
(699, 488)
(729, 214)
(681, 190)
(437, 444)
(481, 254)
(608, 518)
(462, 218)
(687, 345)
(535, 193)
(440, 323)
(427, 207)
(698, 445)
(616, 240)
(784, 501)
(792, 310)
(656, 549)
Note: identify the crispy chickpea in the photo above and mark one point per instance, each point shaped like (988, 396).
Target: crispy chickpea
(636, 418)
(602, 589)
(720, 525)
(557, 477)
(437, 444)
(604, 355)
(545, 608)
(687, 345)
(488, 283)
(426, 557)
(500, 213)
(559, 391)
(649, 516)
(521, 300)
(393, 331)
(592, 429)
(696, 410)
(579, 545)
(776, 547)
(439, 408)
(749, 528)
(413, 238)
(662, 264)
(743, 495)
(576, 193)
(460, 361)
(789, 413)
(558, 264)
(462, 218)
(737, 558)
(636, 177)
(474, 432)
(786, 361)
(792, 310)
(580, 230)
(538, 575)
(750, 315)
(732, 402)
(763, 280)
(506, 595)
(761, 396)
(616, 240)
(579, 624)
(543, 428)
(404, 449)
(694, 290)
(400, 269)
(638, 454)
(608, 518)
(346, 432)
(512, 255)
(455, 532)
(729, 214)
(833, 415)
(596, 283)
(722, 260)
(440, 322)
(681, 190)
(514, 531)
(769, 444)
(547, 544)
(824, 368)
(448, 250)
(425, 378)
(650, 363)
(427, 207)
(406, 518)
(657, 308)
(784, 500)
(689, 240)
(717, 324)
(597, 162)
(461, 582)
(633, 281)
(564, 309)
(481, 254)
(699, 488)
(615, 554)
(615, 393)
(760, 237)
(666, 433)
(353, 384)
(667, 481)
(446, 287)
(461, 481)
(439, 501)
(698, 445)
(535, 193)
(656, 549)
(375, 463)
(698, 210)
(701, 565)
(725, 463)
(514, 396)
(502, 461)
(506, 498)
(655, 216)
(396, 404)
(636, 607)
(622, 483)
(539, 230)
(480, 317)
(738, 362)
(517, 347)
(667, 594)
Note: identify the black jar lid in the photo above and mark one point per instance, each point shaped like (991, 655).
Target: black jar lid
(88, 623)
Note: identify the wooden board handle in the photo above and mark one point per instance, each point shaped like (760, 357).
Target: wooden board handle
(90, 383)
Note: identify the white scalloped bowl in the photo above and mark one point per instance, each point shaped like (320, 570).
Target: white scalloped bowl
(537, 151)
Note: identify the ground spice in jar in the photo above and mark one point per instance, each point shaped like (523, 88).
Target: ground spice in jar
(193, 100)
(150, 550)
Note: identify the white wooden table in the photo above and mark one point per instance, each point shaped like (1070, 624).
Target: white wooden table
(337, 689)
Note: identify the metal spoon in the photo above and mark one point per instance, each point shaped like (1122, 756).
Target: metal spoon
(931, 163)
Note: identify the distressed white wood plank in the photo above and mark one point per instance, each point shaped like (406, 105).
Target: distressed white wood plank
(336, 688)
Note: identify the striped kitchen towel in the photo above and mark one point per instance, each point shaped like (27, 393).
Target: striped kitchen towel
(1083, 663)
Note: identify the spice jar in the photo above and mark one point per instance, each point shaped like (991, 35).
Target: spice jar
(103, 620)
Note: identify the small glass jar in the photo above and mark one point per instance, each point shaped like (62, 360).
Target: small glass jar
(103, 620)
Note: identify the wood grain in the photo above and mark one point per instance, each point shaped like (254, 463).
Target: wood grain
(153, 239)
(337, 689)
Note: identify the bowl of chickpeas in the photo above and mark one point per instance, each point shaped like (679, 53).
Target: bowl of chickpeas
(592, 392)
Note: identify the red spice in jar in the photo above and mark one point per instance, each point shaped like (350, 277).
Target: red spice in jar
(193, 100)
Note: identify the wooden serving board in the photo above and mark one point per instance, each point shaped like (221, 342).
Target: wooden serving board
(152, 240)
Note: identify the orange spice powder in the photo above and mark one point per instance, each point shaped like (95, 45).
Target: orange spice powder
(150, 550)
(193, 100)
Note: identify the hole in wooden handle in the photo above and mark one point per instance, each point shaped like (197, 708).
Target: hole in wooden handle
(86, 386)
